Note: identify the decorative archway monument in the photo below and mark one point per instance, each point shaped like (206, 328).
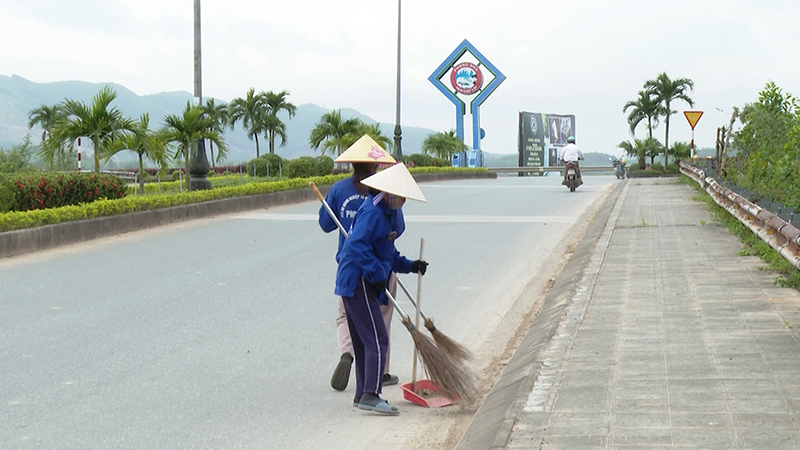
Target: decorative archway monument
(466, 76)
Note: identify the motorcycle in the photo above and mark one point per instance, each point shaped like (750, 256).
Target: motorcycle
(572, 181)
(620, 169)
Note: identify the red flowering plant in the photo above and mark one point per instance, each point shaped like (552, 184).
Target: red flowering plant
(28, 191)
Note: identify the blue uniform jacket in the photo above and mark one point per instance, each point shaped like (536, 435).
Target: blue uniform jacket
(344, 200)
(370, 251)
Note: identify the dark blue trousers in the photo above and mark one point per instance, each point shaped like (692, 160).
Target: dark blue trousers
(370, 339)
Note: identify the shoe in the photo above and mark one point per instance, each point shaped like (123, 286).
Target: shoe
(341, 375)
(390, 380)
(356, 401)
(371, 402)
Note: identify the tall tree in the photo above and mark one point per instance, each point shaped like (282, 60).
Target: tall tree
(251, 111)
(443, 144)
(98, 121)
(273, 126)
(219, 113)
(186, 129)
(46, 117)
(330, 132)
(145, 143)
(666, 90)
(644, 107)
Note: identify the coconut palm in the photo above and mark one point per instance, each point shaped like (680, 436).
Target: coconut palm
(186, 129)
(46, 117)
(644, 107)
(219, 113)
(98, 121)
(145, 142)
(273, 126)
(331, 131)
(666, 90)
(251, 111)
(443, 144)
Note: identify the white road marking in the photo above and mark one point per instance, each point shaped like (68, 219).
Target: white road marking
(419, 218)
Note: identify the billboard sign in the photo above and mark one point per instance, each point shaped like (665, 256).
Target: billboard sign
(541, 136)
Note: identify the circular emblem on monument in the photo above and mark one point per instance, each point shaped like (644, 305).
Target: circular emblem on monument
(466, 78)
(534, 124)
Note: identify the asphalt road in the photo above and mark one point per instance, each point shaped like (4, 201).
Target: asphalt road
(220, 333)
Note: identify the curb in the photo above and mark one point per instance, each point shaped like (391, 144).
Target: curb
(52, 236)
(492, 425)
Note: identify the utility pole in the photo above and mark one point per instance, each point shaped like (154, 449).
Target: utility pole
(198, 163)
(398, 150)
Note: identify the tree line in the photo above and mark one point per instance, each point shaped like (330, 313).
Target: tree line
(257, 113)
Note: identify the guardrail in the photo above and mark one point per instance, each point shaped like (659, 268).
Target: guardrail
(779, 234)
(549, 169)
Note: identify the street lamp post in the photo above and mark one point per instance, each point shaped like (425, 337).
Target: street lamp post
(198, 163)
(398, 150)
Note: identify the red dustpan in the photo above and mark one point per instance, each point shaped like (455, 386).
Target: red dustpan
(423, 392)
(426, 394)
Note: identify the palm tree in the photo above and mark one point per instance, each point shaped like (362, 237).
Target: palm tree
(636, 150)
(681, 150)
(443, 144)
(273, 126)
(185, 130)
(251, 111)
(667, 90)
(46, 117)
(99, 122)
(331, 131)
(374, 131)
(652, 148)
(219, 113)
(644, 107)
(145, 143)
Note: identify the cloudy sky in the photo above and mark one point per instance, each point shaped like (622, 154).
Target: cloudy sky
(582, 57)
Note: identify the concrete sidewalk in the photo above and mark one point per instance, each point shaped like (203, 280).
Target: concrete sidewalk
(664, 338)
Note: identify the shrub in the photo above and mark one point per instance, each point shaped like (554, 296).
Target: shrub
(274, 165)
(419, 160)
(34, 190)
(301, 167)
(323, 165)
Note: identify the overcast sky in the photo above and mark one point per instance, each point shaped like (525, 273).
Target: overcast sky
(586, 58)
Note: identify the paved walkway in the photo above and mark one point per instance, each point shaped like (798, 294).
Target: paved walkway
(667, 339)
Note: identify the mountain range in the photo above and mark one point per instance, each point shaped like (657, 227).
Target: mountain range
(18, 96)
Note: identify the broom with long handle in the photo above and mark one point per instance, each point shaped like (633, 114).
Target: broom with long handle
(446, 343)
(448, 374)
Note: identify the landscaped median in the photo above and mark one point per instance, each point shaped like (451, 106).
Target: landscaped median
(27, 231)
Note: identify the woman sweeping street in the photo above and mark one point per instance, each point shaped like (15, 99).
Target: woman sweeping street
(368, 258)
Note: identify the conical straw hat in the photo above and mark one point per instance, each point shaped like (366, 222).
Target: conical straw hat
(396, 180)
(365, 150)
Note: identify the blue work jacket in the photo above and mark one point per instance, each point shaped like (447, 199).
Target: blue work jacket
(370, 251)
(344, 200)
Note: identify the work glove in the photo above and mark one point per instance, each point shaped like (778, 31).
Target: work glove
(419, 266)
(380, 286)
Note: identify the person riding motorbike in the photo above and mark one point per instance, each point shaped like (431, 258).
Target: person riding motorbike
(571, 153)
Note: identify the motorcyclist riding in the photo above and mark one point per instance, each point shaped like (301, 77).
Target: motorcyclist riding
(571, 153)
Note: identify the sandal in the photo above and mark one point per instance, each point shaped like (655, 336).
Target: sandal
(371, 402)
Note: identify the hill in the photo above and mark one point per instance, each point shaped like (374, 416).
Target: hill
(18, 96)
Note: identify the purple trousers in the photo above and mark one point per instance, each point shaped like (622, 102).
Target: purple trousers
(370, 339)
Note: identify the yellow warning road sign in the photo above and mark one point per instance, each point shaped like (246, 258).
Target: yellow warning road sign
(693, 117)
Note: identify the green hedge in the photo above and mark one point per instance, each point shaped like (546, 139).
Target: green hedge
(42, 190)
(17, 220)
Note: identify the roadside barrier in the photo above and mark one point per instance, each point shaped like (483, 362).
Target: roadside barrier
(779, 234)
